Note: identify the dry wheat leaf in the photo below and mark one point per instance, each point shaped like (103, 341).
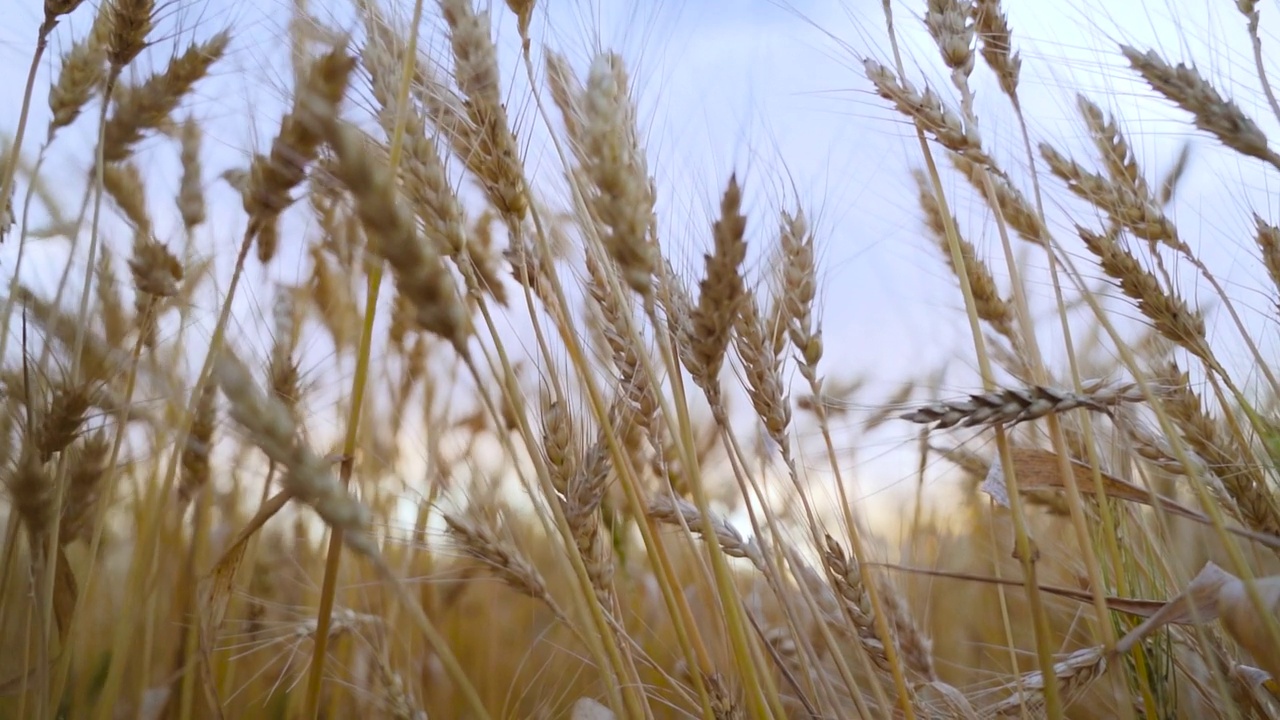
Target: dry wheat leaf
(1038, 470)
(1198, 603)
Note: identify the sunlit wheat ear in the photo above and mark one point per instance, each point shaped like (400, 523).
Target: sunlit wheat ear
(61, 422)
(418, 267)
(1117, 155)
(992, 27)
(683, 514)
(991, 307)
(1268, 239)
(1167, 312)
(307, 476)
(31, 492)
(620, 192)
(1015, 405)
(501, 559)
(84, 69)
(1243, 481)
(123, 183)
(396, 698)
(763, 373)
(128, 24)
(725, 704)
(156, 274)
(721, 294)
(426, 183)
(566, 93)
(559, 443)
(87, 474)
(1213, 113)
(142, 108)
(855, 601)
(950, 23)
(190, 200)
(1017, 210)
(199, 443)
(934, 117)
(583, 499)
(489, 148)
(273, 177)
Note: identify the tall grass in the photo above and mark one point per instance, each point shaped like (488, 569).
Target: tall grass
(576, 521)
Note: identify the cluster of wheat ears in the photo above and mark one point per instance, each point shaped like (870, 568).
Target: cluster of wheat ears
(562, 548)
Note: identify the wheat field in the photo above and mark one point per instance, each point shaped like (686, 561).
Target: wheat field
(424, 399)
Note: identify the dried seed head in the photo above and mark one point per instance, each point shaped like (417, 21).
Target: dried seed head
(190, 199)
(128, 23)
(621, 194)
(721, 291)
(950, 24)
(145, 107)
(1011, 406)
(195, 453)
(61, 424)
(488, 145)
(31, 491)
(419, 270)
(82, 75)
(85, 479)
(936, 119)
(272, 178)
(992, 27)
(1213, 113)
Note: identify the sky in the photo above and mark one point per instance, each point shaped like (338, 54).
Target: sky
(775, 92)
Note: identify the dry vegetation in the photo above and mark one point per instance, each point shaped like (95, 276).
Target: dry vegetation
(188, 536)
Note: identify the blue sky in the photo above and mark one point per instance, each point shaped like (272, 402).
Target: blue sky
(774, 91)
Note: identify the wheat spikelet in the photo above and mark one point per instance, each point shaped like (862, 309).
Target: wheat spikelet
(1213, 113)
(273, 177)
(83, 73)
(1166, 311)
(992, 28)
(763, 374)
(950, 24)
(128, 24)
(199, 442)
(31, 492)
(927, 109)
(620, 194)
(1017, 211)
(992, 308)
(1075, 673)
(87, 475)
(123, 182)
(503, 560)
(144, 107)
(681, 513)
(1268, 239)
(60, 424)
(493, 153)
(190, 200)
(583, 497)
(307, 476)
(1011, 406)
(420, 274)
(156, 274)
(721, 293)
